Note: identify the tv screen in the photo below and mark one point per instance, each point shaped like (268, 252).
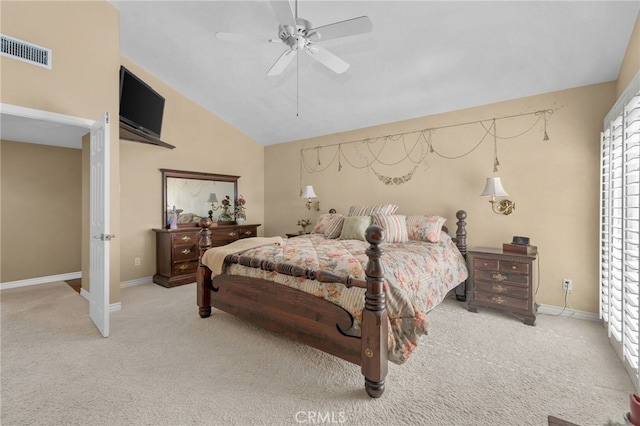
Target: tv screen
(140, 106)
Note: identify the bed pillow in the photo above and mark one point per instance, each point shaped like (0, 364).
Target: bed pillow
(395, 227)
(425, 228)
(334, 227)
(353, 227)
(386, 209)
(323, 221)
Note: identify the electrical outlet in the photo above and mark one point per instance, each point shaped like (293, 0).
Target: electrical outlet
(136, 261)
(567, 284)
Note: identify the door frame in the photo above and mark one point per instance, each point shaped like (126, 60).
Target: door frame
(62, 119)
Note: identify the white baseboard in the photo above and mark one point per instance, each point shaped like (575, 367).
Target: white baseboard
(567, 312)
(113, 307)
(40, 280)
(139, 281)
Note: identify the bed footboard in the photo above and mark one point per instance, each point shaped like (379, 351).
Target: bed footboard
(303, 317)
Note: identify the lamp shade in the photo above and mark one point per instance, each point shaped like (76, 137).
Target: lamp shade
(308, 192)
(494, 188)
(212, 198)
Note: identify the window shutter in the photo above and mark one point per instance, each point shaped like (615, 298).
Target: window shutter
(620, 228)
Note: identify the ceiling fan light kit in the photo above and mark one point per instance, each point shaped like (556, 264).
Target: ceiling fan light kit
(298, 34)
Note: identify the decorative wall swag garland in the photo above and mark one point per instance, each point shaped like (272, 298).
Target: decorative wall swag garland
(415, 153)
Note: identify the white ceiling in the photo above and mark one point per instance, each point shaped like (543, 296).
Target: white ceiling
(422, 58)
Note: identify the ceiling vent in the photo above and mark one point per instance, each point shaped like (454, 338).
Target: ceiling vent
(25, 51)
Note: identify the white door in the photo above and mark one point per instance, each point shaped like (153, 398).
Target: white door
(99, 225)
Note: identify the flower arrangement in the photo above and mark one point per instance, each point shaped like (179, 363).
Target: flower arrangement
(240, 207)
(226, 203)
(304, 223)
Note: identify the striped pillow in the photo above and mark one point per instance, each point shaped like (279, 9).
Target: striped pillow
(425, 228)
(334, 228)
(386, 209)
(323, 221)
(395, 227)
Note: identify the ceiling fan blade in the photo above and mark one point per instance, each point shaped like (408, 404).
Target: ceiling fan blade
(245, 38)
(346, 28)
(284, 14)
(282, 62)
(328, 59)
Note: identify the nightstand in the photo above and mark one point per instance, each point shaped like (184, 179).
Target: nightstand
(501, 280)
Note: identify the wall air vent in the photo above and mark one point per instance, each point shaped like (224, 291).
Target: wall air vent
(25, 51)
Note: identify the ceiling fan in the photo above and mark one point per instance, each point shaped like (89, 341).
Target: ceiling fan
(298, 34)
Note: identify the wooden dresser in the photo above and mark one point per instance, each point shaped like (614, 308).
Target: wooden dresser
(177, 251)
(501, 280)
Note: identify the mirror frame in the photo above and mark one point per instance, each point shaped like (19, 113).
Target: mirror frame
(169, 173)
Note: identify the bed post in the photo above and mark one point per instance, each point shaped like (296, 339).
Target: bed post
(375, 326)
(203, 277)
(461, 243)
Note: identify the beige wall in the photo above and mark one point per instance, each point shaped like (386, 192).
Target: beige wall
(204, 143)
(41, 193)
(554, 183)
(83, 81)
(631, 63)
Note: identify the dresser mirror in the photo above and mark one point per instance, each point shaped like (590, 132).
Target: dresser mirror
(196, 195)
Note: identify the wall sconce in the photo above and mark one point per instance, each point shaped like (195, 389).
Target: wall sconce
(494, 189)
(309, 193)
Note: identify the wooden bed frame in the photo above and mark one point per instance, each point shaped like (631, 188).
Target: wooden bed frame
(308, 319)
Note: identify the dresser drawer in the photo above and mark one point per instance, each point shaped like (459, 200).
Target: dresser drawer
(247, 232)
(185, 252)
(501, 301)
(180, 238)
(501, 277)
(222, 236)
(503, 289)
(182, 268)
(486, 264)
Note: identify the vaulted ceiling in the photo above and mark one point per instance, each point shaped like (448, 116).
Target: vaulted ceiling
(421, 58)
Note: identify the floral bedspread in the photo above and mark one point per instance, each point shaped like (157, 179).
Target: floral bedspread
(418, 275)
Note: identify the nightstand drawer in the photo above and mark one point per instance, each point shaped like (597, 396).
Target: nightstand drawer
(500, 277)
(500, 300)
(487, 264)
(518, 267)
(503, 289)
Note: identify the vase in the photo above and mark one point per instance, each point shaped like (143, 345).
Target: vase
(239, 220)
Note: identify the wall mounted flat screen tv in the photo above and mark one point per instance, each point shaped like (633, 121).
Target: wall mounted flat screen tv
(141, 107)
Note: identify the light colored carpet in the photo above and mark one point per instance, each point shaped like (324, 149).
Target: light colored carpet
(163, 365)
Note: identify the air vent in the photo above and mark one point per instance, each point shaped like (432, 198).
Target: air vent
(25, 51)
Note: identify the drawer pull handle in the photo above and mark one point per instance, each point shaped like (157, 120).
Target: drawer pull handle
(499, 288)
(183, 267)
(486, 264)
(232, 234)
(499, 277)
(186, 251)
(247, 232)
(186, 238)
(514, 267)
(499, 300)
